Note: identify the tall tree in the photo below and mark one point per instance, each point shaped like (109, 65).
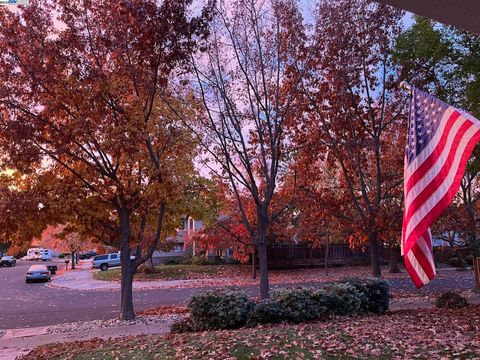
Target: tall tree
(354, 109)
(248, 82)
(79, 87)
(24, 211)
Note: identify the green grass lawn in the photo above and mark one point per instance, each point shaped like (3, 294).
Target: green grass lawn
(177, 272)
(413, 334)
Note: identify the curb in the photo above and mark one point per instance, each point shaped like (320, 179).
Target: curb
(62, 287)
(115, 285)
(18, 342)
(24, 332)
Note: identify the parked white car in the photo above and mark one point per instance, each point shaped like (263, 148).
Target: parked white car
(36, 273)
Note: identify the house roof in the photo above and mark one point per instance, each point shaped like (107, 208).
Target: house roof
(464, 14)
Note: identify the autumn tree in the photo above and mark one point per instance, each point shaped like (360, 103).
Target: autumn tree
(79, 96)
(451, 227)
(64, 238)
(248, 88)
(227, 229)
(23, 210)
(355, 110)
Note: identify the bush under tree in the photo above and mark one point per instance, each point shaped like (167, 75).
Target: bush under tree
(300, 304)
(233, 309)
(450, 300)
(376, 293)
(267, 311)
(349, 298)
(220, 310)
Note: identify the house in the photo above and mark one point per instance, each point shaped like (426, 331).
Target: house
(179, 250)
(182, 248)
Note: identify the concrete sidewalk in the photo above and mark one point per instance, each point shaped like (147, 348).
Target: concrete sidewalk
(18, 342)
(82, 279)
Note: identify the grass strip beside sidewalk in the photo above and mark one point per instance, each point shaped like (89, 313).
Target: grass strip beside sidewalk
(177, 272)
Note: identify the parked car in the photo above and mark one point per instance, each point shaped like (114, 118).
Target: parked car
(8, 261)
(37, 272)
(103, 262)
(87, 255)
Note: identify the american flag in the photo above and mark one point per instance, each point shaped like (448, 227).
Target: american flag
(439, 142)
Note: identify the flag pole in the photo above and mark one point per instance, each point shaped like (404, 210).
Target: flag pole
(407, 87)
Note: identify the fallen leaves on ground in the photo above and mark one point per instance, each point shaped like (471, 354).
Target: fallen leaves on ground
(406, 334)
(164, 310)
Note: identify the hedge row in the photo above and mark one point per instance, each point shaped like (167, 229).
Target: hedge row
(234, 309)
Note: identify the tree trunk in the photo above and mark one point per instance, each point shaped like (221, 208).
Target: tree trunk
(152, 265)
(262, 218)
(394, 259)
(147, 267)
(471, 235)
(374, 254)
(73, 260)
(254, 266)
(263, 262)
(473, 242)
(326, 257)
(461, 260)
(128, 269)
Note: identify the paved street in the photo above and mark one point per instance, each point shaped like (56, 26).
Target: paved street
(28, 305)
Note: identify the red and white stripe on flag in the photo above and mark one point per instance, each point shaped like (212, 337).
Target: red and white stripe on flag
(439, 142)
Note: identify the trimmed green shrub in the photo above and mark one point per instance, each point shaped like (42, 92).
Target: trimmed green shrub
(454, 262)
(328, 300)
(220, 310)
(376, 293)
(171, 261)
(199, 260)
(186, 260)
(182, 326)
(469, 259)
(215, 260)
(233, 309)
(267, 312)
(349, 298)
(61, 256)
(300, 304)
(450, 300)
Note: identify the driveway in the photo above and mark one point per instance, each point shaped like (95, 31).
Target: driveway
(28, 305)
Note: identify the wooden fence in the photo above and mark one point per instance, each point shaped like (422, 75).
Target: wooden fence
(304, 255)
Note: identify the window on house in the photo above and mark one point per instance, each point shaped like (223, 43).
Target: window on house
(177, 248)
